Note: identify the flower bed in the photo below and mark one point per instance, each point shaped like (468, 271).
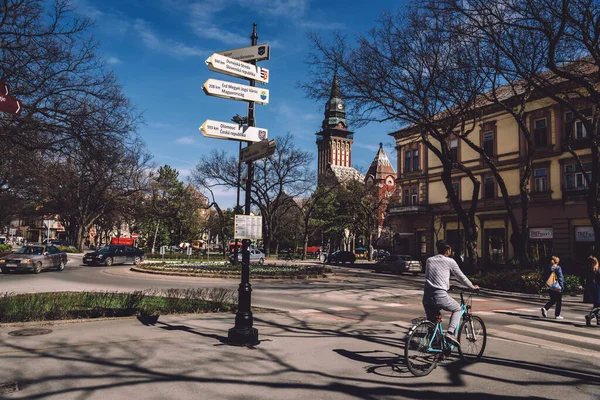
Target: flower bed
(229, 270)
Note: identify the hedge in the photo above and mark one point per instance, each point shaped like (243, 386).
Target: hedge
(522, 281)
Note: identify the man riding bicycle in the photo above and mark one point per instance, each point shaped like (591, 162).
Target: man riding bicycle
(437, 284)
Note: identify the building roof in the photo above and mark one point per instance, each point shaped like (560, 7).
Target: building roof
(381, 166)
(346, 174)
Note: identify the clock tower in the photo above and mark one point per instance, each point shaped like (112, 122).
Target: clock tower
(334, 141)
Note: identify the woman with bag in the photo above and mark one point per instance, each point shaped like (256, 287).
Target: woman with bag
(556, 285)
(591, 287)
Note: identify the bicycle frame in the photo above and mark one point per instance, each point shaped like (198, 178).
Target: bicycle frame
(439, 329)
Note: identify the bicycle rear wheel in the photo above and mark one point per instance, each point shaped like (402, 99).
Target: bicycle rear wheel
(419, 360)
(472, 338)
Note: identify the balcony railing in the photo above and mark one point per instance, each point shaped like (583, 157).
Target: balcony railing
(575, 194)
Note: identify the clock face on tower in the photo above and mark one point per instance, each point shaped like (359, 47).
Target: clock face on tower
(340, 106)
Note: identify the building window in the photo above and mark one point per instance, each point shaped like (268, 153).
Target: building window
(580, 131)
(489, 188)
(454, 150)
(414, 196)
(540, 133)
(488, 143)
(406, 198)
(455, 188)
(407, 161)
(540, 179)
(416, 160)
(575, 179)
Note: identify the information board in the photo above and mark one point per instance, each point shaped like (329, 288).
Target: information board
(248, 227)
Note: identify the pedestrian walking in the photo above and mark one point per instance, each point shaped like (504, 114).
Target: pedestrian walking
(556, 286)
(591, 287)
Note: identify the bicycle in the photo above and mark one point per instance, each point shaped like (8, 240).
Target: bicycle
(426, 344)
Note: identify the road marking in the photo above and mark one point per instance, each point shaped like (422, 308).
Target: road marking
(584, 330)
(308, 311)
(340, 308)
(531, 310)
(402, 324)
(394, 305)
(558, 334)
(368, 307)
(484, 313)
(562, 348)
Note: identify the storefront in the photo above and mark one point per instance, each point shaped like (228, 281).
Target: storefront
(540, 242)
(495, 246)
(584, 242)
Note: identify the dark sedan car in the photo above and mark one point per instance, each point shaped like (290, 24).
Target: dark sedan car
(398, 264)
(341, 256)
(114, 254)
(34, 258)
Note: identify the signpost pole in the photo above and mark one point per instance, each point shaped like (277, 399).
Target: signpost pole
(243, 333)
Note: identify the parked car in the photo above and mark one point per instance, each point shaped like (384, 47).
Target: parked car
(380, 254)
(256, 256)
(341, 256)
(34, 258)
(398, 264)
(114, 254)
(56, 242)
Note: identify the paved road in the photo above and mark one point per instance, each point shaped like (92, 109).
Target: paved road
(524, 348)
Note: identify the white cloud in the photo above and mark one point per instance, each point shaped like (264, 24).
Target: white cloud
(154, 42)
(113, 61)
(282, 8)
(185, 140)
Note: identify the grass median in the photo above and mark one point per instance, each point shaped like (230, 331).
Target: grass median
(84, 305)
(227, 270)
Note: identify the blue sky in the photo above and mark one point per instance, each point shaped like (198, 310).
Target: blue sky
(157, 48)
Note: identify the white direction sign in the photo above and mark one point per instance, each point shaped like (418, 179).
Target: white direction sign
(235, 91)
(233, 67)
(247, 227)
(232, 131)
(258, 53)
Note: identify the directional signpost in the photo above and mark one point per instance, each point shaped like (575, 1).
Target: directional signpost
(8, 103)
(233, 131)
(233, 63)
(256, 151)
(253, 53)
(239, 69)
(235, 91)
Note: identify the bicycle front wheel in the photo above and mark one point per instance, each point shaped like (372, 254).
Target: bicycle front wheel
(472, 338)
(419, 360)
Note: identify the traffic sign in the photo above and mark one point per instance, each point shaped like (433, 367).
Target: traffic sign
(134, 236)
(235, 91)
(233, 67)
(258, 53)
(257, 150)
(247, 226)
(232, 131)
(8, 103)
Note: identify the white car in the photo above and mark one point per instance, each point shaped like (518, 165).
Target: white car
(256, 256)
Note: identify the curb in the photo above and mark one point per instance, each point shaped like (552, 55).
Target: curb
(225, 276)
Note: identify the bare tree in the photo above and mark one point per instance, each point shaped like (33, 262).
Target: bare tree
(411, 71)
(277, 179)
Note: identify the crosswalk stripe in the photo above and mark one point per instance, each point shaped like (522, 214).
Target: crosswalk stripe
(368, 307)
(308, 311)
(531, 310)
(393, 305)
(402, 324)
(584, 331)
(555, 333)
(484, 313)
(563, 348)
(340, 308)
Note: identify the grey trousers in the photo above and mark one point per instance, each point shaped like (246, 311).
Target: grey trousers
(435, 300)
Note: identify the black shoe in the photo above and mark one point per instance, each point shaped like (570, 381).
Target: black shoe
(588, 320)
(452, 340)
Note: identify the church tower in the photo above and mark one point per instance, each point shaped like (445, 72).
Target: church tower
(334, 141)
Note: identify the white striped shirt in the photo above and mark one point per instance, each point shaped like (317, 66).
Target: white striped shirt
(437, 272)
